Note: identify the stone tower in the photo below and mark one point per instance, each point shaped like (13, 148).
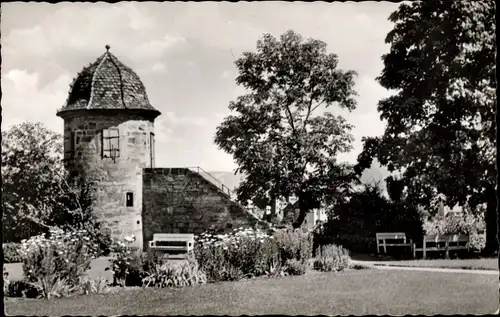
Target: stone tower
(109, 134)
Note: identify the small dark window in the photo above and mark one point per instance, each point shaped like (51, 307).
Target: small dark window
(130, 199)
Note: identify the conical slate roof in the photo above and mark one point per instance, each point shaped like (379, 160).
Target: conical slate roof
(107, 84)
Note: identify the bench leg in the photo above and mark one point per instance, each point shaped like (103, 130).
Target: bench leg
(385, 248)
(414, 251)
(447, 250)
(424, 255)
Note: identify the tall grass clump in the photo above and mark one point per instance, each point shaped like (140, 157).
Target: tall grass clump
(168, 274)
(331, 258)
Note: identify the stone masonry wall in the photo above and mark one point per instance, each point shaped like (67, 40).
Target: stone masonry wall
(178, 200)
(119, 176)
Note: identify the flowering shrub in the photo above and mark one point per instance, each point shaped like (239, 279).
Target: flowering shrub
(91, 286)
(294, 244)
(250, 253)
(464, 223)
(55, 264)
(21, 289)
(295, 267)
(5, 280)
(129, 265)
(477, 241)
(233, 256)
(175, 275)
(11, 252)
(216, 262)
(331, 258)
(135, 268)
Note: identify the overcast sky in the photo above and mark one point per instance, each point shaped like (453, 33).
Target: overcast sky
(184, 53)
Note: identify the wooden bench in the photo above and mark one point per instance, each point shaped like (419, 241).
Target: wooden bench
(398, 239)
(172, 243)
(447, 243)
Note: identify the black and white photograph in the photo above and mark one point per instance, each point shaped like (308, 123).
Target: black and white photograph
(249, 158)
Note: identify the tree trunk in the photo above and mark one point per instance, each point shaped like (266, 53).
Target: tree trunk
(492, 226)
(303, 210)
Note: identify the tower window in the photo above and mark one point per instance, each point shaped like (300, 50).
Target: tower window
(130, 199)
(110, 143)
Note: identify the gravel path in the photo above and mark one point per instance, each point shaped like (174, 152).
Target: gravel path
(412, 268)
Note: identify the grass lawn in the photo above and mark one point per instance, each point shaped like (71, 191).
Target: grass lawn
(350, 292)
(470, 264)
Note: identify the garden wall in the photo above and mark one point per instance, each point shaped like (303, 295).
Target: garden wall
(178, 200)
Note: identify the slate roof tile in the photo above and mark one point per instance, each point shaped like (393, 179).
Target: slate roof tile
(107, 84)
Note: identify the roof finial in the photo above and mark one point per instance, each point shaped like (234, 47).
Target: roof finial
(107, 47)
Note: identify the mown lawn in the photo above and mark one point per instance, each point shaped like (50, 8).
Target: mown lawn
(350, 292)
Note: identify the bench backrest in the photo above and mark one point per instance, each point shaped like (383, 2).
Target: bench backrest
(390, 235)
(447, 238)
(186, 237)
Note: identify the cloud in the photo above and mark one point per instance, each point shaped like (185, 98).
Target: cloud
(155, 49)
(158, 67)
(228, 74)
(184, 53)
(172, 119)
(23, 101)
(164, 132)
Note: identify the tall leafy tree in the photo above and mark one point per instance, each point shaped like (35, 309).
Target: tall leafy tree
(441, 130)
(37, 191)
(32, 172)
(281, 134)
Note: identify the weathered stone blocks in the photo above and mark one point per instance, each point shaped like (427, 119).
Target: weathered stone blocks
(177, 200)
(116, 176)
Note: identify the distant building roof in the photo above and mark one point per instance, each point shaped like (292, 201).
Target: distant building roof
(107, 84)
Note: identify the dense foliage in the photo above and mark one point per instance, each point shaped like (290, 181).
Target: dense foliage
(251, 253)
(441, 131)
(32, 175)
(37, 192)
(466, 222)
(246, 253)
(11, 252)
(55, 264)
(354, 224)
(280, 134)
